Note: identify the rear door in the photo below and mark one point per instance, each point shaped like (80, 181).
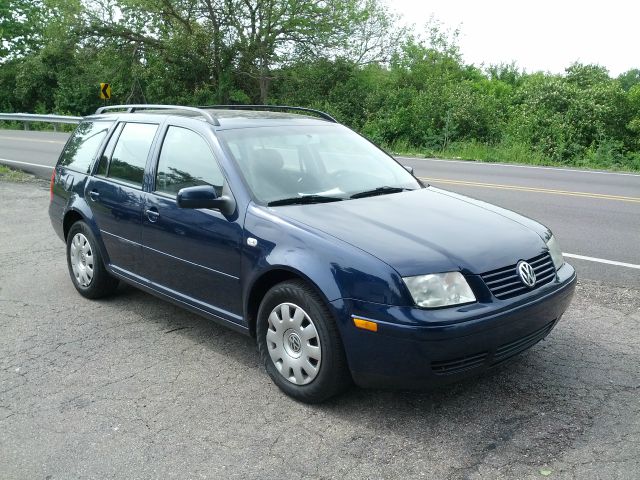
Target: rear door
(192, 253)
(116, 197)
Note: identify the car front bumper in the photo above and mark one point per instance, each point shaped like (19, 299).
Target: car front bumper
(418, 348)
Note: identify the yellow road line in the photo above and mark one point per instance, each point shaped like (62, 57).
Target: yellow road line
(601, 196)
(24, 139)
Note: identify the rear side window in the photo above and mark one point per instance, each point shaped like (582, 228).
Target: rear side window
(130, 154)
(186, 161)
(83, 145)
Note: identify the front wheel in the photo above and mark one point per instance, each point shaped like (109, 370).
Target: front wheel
(299, 343)
(86, 268)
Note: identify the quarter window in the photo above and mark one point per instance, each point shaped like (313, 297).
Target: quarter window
(83, 145)
(103, 165)
(186, 161)
(130, 154)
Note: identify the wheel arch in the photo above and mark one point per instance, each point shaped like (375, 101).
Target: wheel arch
(70, 217)
(79, 211)
(264, 282)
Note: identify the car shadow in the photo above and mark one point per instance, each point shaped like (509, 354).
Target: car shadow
(172, 319)
(531, 408)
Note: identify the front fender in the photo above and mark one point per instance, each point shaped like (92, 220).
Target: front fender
(337, 269)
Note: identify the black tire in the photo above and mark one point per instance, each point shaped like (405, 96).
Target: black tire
(333, 375)
(101, 284)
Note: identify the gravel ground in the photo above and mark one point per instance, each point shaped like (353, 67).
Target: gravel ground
(133, 387)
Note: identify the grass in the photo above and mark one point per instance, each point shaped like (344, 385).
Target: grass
(521, 154)
(11, 175)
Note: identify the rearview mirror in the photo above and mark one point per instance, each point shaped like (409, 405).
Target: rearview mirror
(408, 169)
(203, 196)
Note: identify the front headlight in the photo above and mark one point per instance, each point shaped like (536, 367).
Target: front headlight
(556, 253)
(439, 289)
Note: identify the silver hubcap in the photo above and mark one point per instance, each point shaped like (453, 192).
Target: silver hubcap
(81, 259)
(294, 343)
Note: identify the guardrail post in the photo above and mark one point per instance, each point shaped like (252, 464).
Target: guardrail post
(26, 125)
(55, 127)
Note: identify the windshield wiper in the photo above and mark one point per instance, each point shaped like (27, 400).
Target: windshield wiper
(378, 191)
(305, 199)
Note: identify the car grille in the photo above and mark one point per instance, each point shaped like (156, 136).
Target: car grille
(457, 365)
(501, 354)
(510, 349)
(505, 282)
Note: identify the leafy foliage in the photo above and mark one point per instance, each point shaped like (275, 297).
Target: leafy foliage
(408, 90)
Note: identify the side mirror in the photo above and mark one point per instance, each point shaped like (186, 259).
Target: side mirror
(203, 196)
(408, 169)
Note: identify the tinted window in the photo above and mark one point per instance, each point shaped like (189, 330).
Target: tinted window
(104, 161)
(103, 166)
(83, 145)
(130, 155)
(185, 161)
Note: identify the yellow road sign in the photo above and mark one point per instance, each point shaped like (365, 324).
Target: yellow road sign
(105, 91)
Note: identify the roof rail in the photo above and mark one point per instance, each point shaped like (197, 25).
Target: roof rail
(133, 108)
(322, 114)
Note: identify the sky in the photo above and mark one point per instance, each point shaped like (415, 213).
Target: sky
(538, 35)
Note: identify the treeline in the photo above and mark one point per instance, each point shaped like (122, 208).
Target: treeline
(408, 90)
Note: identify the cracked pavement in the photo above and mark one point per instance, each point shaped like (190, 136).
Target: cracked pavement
(133, 387)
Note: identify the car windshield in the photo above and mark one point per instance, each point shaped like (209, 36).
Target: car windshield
(285, 163)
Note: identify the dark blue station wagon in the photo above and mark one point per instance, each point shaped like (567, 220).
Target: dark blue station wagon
(294, 229)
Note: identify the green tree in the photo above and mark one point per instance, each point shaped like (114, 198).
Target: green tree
(410, 90)
(629, 79)
(21, 27)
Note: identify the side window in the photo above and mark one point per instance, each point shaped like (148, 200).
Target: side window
(185, 161)
(130, 154)
(103, 165)
(83, 145)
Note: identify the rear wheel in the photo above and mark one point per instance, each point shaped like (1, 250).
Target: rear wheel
(299, 343)
(86, 268)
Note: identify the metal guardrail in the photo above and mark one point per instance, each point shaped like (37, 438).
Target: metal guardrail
(28, 118)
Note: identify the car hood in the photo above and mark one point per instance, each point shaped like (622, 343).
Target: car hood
(427, 231)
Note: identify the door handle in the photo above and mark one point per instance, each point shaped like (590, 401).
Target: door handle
(94, 194)
(152, 214)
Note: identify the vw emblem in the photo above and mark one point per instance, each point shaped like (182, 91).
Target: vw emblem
(294, 342)
(527, 274)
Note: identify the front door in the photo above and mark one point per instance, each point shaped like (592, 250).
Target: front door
(193, 254)
(116, 197)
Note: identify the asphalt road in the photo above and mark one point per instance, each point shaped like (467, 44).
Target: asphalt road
(593, 214)
(40, 149)
(135, 388)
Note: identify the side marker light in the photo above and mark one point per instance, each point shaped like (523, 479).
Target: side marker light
(365, 324)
